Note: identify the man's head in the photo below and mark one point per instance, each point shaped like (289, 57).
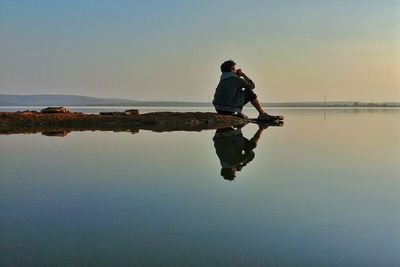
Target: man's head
(228, 66)
(228, 173)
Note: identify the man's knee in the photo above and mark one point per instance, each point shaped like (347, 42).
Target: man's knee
(251, 97)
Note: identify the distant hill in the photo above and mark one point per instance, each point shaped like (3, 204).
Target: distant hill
(60, 100)
(76, 100)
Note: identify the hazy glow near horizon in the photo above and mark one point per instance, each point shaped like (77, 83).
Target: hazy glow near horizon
(171, 50)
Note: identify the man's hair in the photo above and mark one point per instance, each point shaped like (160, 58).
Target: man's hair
(228, 174)
(227, 65)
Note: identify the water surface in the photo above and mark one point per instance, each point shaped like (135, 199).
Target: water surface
(324, 190)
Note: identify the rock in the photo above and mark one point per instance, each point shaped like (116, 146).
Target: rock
(128, 112)
(132, 111)
(26, 122)
(55, 110)
(115, 113)
(57, 134)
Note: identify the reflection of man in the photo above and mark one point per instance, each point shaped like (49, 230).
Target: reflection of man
(234, 150)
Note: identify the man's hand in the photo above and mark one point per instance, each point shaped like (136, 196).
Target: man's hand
(240, 73)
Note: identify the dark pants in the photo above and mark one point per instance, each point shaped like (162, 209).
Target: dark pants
(249, 95)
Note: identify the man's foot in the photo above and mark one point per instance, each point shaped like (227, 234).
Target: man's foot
(265, 124)
(267, 117)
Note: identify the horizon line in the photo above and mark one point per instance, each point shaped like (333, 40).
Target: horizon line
(201, 101)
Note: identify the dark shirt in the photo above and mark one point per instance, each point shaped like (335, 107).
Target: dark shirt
(232, 148)
(229, 94)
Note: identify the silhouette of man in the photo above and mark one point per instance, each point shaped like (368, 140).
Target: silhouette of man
(234, 90)
(234, 150)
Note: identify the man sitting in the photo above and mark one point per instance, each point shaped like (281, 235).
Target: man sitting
(235, 90)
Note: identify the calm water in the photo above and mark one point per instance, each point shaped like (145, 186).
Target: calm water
(324, 190)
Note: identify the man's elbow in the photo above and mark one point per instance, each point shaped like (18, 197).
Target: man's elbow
(252, 85)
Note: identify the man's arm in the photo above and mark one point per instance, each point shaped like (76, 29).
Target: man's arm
(246, 81)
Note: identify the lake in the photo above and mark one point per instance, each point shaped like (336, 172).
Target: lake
(323, 190)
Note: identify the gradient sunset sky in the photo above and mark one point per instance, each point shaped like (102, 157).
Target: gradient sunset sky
(172, 50)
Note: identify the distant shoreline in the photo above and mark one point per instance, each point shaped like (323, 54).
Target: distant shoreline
(86, 101)
(205, 105)
(24, 107)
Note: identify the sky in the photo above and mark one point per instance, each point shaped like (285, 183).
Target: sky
(172, 50)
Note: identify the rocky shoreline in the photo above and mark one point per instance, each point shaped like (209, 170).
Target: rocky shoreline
(58, 121)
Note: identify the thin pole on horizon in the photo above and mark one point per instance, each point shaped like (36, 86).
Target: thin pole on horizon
(324, 107)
